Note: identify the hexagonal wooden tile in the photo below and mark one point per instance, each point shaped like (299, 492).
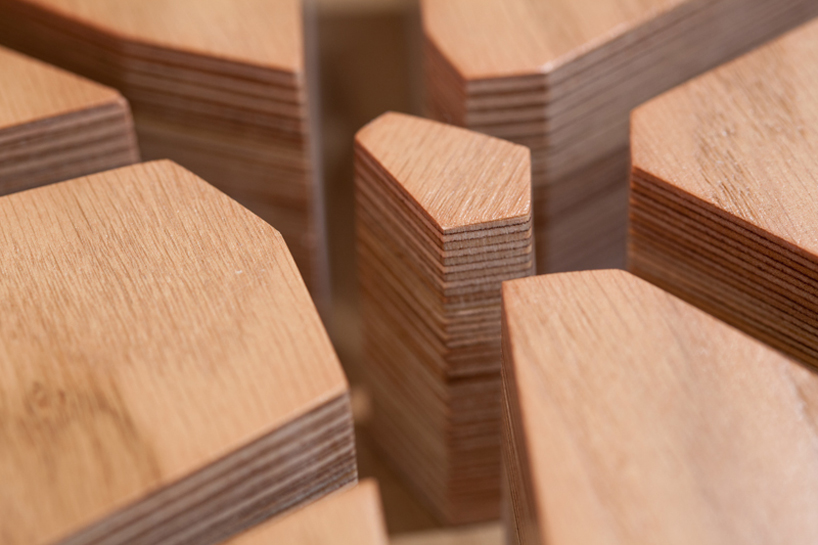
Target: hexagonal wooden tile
(561, 76)
(219, 86)
(444, 216)
(723, 206)
(55, 125)
(164, 375)
(349, 517)
(633, 417)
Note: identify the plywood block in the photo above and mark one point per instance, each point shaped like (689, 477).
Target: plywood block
(634, 417)
(723, 194)
(349, 517)
(561, 76)
(164, 375)
(443, 217)
(55, 125)
(217, 86)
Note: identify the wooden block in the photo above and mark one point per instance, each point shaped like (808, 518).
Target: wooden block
(164, 375)
(218, 86)
(443, 217)
(633, 417)
(723, 211)
(484, 534)
(349, 517)
(55, 125)
(561, 76)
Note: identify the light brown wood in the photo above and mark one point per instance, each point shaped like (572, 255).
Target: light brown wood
(348, 517)
(55, 125)
(633, 417)
(561, 76)
(487, 534)
(164, 375)
(217, 86)
(723, 205)
(443, 217)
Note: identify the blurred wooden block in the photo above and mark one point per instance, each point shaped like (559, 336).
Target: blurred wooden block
(724, 195)
(444, 216)
(55, 125)
(164, 375)
(218, 86)
(633, 417)
(486, 534)
(561, 76)
(349, 517)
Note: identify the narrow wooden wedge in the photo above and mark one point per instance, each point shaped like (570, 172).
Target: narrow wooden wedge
(348, 517)
(164, 375)
(218, 86)
(561, 76)
(633, 417)
(55, 126)
(443, 217)
(723, 205)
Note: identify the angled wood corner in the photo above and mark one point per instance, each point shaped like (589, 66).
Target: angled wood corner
(164, 374)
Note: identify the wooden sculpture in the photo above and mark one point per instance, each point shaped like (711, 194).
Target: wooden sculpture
(164, 375)
(349, 517)
(561, 76)
(218, 86)
(632, 417)
(723, 193)
(444, 216)
(55, 125)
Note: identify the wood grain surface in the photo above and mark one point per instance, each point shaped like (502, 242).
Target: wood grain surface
(349, 517)
(561, 76)
(33, 91)
(153, 331)
(428, 159)
(723, 199)
(55, 125)
(271, 33)
(221, 87)
(633, 417)
(524, 37)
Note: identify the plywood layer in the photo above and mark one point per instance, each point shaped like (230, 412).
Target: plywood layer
(164, 375)
(443, 217)
(217, 86)
(633, 417)
(561, 76)
(55, 125)
(723, 193)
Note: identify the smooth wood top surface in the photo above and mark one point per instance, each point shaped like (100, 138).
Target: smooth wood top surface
(744, 138)
(150, 326)
(495, 38)
(31, 90)
(459, 177)
(649, 421)
(267, 33)
(349, 517)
